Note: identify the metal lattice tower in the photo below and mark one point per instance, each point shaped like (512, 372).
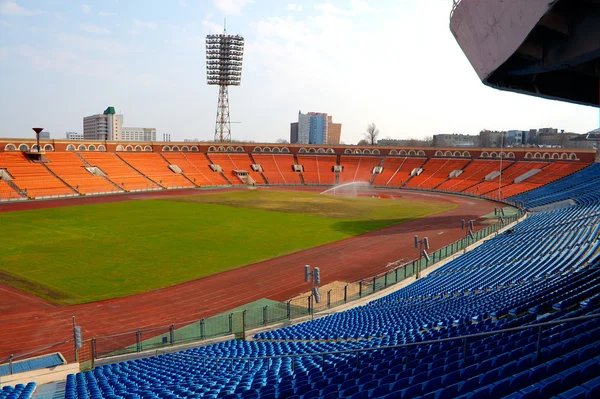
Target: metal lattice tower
(224, 54)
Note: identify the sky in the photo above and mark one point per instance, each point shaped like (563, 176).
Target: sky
(394, 63)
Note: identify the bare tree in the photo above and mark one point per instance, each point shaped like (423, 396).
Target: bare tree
(363, 142)
(282, 141)
(371, 134)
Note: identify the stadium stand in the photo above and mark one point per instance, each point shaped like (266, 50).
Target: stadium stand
(236, 162)
(357, 168)
(19, 391)
(318, 169)
(118, 171)
(69, 167)
(396, 171)
(7, 192)
(156, 168)
(278, 169)
(200, 178)
(435, 172)
(201, 163)
(474, 173)
(34, 178)
(571, 187)
(546, 269)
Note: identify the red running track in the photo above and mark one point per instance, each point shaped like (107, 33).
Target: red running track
(28, 323)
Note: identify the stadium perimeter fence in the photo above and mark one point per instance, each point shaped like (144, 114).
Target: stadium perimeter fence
(237, 322)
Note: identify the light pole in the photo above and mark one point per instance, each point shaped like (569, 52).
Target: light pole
(315, 281)
(37, 131)
(423, 246)
(469, 232)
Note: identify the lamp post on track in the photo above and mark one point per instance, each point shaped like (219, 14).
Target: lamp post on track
(423, 246)
(315, 281)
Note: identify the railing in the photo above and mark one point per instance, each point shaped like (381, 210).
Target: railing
(238, 322)
(464, 338)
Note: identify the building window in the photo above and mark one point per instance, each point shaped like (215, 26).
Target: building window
(23, 147)
(10, 147)
(92, 147)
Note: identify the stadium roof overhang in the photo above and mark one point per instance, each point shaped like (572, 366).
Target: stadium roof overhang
(544, 48)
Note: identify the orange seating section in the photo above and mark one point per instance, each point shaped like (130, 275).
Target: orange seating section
(278, 169)
(69, 167)
(318, 169)
(202, 164)
(33, 177)
(193, 173)
(7, 192)
(551, 172)
(396, 171)
(357, 168)
(473, 173)
(231, 162)
(118, 171)
(153, 166)
(436, 171)
(148, 170)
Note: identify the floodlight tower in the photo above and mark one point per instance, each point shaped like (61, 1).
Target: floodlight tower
(224, 55)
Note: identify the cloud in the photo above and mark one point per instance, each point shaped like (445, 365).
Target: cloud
(294, 7)
(105, 13)
(357, 7)
(10, 7)
(231, 6)
(211, 27)
(86, 8)
(145, 24)
(94, 29)
(183, 3)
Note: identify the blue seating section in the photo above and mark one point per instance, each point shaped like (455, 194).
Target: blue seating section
(19, 391)
(545, 268)
(571, 187)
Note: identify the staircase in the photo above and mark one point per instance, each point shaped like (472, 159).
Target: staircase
(299, 173)
(16, 188)
(82, 159)
(221, 173)
(338, 160)
(261, 173)
(131, 166)
(176, 170)
(194, 166)
(375, 174)
(61, 180)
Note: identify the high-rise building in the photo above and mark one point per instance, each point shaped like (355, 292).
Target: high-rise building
(294, 132)
(315, 128)
(74, 136)
(166, 136)
(44, 135)
(334, 132)
(139, 134)
(105, 126)
(109, 126)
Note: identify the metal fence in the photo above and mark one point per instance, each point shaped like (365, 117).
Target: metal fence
(238, 322)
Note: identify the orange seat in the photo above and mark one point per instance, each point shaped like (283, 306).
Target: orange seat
(318, 169)
(435, 172)
(69, 167)
(118, 171)
(358, 168)
(278, 169)
(34, 178)
(155, 167)
(231, 162)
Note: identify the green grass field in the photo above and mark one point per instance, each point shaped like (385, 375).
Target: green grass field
(88, 253)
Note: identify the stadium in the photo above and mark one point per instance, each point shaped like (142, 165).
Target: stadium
(237, 270)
